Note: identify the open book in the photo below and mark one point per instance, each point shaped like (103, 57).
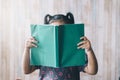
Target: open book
(57, 45)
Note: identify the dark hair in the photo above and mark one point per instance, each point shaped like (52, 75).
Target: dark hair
(68, 18)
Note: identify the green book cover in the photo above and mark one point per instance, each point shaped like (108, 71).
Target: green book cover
(57, 45)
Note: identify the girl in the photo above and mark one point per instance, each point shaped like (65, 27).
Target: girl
(67, 73)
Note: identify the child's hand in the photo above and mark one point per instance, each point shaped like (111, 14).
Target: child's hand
(85, 44)
(30, 42)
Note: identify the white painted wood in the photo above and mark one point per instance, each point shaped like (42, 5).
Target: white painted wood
(102, 27)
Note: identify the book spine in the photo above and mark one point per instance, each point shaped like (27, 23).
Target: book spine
(57, 46)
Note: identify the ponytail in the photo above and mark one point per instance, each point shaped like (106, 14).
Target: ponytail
(47, 19)
(70, 18)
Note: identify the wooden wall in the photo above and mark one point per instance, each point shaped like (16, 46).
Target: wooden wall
(102, 27)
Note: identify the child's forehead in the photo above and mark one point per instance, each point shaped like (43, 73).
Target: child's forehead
(57, 22)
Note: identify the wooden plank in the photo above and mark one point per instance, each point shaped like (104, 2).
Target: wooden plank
(102, 27)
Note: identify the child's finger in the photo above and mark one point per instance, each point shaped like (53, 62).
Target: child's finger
(82, 47)
(83, 38)
(80, 43)
(33, 41)
(34, 45)
(32, 38)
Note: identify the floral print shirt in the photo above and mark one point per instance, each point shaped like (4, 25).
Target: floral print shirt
(66, 73)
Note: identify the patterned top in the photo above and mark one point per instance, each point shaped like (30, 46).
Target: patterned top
(66, 73)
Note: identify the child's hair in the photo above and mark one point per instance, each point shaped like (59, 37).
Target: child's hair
(68, 18)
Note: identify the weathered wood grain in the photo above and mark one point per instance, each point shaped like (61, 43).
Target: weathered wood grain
(102, 27)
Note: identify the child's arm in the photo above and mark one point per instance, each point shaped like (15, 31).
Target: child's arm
(26, 59)
(92, 66)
